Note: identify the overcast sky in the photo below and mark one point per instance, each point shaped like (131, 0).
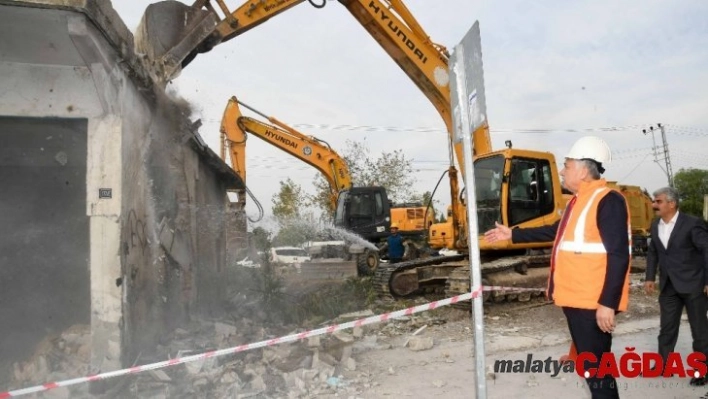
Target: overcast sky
(562, 67)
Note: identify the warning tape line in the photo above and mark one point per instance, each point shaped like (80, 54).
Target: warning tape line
(280, 340)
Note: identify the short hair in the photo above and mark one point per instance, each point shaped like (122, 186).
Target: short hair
(592, 166)
(672, 194)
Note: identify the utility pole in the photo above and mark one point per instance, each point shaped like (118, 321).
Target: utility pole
(665, 149)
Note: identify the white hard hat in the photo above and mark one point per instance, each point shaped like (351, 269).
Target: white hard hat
(591, 147)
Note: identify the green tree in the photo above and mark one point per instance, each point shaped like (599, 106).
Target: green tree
(261, 238)
(692, 185)
(296, 222)
(289, 202)
(392, 170)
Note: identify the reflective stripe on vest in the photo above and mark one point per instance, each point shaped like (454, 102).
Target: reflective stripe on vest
(578, 245)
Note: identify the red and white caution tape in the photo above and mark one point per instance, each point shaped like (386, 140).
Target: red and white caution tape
(288, 338)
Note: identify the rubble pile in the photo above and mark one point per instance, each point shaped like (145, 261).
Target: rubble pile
(310, 367)
(319, 365)
(56, 357)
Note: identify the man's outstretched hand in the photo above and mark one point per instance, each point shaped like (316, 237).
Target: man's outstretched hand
(499, 233)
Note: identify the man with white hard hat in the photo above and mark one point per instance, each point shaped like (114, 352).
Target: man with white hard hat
(589, 276)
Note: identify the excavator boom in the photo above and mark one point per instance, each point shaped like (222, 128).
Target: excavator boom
(389, 22)
(308, 149)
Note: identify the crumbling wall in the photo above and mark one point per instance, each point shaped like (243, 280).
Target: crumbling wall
(154, 197)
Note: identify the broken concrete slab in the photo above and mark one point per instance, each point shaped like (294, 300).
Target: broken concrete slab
(345, 354)
(224, 330)
(350, 364)
(323, 358)
(344, 336)
(313, 342)
(420, 343)
(258, 384)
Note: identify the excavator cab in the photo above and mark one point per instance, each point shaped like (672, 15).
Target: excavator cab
(514, 187)
(365, 211)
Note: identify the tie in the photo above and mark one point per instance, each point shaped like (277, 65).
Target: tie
(559, 234)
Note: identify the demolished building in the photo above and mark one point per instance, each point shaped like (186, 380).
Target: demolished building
(114, 211)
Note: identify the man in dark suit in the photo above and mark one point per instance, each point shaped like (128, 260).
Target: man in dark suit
(679, 248)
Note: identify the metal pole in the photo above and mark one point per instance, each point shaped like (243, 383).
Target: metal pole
(463, 131)
(667, 158)
(656, 154)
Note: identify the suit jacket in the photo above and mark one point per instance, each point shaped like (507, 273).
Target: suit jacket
(685, 261)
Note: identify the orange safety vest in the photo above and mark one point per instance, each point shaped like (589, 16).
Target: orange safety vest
(580, 257)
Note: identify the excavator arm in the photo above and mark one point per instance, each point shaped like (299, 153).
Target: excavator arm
(309, 149)
(393, 26)
(389, 22)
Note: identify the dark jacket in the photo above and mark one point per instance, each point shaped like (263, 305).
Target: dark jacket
(685, 261)
(395, 246)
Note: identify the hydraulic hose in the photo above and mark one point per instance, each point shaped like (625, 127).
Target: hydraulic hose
(432, 195)
(258, 205)
(324, 2)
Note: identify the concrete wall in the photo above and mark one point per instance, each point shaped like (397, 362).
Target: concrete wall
(153, 196)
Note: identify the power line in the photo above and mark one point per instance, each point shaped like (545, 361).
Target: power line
(427, 129)
(634, 168)
(688, 130)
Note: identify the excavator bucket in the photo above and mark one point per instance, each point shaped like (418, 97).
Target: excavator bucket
(169, 36)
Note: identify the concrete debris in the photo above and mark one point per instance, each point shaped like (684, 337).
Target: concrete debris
(295, 382)
(420, 343)
(318, 366)
(58, 356)
(344, 336)
(58, 393)
(230, 377)
(257, 384)
(195, 367)
(160, 375)
(355, 315)
(323, 358)
(224, 330)
(249, 394)
(345, 354)
(350, 364)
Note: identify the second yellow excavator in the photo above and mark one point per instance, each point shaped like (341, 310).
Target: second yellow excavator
(368, 206)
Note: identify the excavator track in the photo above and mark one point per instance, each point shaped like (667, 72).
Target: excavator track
(409, 278)
(385, 274)
(526, 271)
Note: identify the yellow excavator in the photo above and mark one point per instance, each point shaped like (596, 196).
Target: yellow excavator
(309, 149)
(514, 186)
(412, 218)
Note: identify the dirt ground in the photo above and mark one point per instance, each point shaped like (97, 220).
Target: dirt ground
(390, 369)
